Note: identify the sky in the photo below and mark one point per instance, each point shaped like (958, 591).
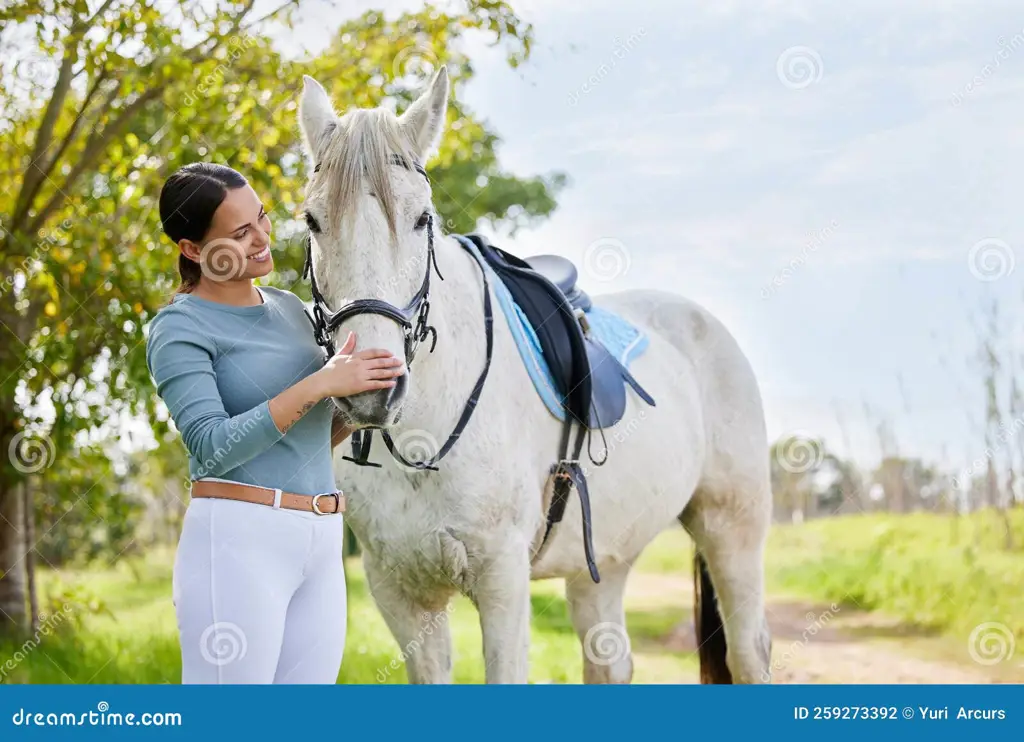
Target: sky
(834, 181)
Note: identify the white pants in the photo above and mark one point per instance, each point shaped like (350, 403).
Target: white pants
(259, 594)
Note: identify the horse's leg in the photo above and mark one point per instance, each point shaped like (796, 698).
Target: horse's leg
(422, 632)
(501, 592)
(730, 532)
(599, 618)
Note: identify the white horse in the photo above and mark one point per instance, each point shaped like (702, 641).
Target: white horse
(700, 457)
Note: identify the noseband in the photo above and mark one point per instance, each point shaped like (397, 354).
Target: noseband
(413, 319)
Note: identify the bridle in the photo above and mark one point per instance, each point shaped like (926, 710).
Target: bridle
(414, 321)
(412, 317)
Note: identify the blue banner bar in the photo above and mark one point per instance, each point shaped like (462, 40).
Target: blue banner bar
(956, 712)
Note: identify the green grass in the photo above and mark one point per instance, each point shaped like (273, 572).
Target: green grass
(908, 567)
(136, 640)
(938, 573)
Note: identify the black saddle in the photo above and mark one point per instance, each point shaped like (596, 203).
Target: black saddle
(561, 272)
(590, 381)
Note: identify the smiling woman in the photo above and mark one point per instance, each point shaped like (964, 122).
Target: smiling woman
(258, 587)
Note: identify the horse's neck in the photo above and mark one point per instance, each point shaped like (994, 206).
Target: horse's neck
(441, 382)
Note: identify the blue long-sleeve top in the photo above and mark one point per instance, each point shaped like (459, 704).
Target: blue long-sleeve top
(216, 367)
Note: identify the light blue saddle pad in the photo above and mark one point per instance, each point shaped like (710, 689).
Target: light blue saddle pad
(623, 340)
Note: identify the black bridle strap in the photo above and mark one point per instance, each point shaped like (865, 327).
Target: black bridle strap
(474, 397)
(372, 306)
(326, 322)
(361, 442)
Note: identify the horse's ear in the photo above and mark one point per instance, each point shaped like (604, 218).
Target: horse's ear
(316, 114)
(423, 121)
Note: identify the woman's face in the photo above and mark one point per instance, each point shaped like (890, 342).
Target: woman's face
(237, 245)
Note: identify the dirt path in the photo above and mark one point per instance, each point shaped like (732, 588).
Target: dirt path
(815, 643)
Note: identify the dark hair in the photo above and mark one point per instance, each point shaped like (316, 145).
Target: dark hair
(188, 201)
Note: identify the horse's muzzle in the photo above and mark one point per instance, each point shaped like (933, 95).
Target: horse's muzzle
(378, 409)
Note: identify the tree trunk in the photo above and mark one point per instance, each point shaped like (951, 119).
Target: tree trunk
(12, 563)
(30, 554)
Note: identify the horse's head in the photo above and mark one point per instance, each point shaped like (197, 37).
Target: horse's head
(368, 208)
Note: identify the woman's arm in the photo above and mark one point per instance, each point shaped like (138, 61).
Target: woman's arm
(180, 359)
(339, 431)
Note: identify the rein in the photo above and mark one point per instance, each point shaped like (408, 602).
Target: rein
(414, 321)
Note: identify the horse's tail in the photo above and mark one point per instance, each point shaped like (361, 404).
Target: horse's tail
(709, 629)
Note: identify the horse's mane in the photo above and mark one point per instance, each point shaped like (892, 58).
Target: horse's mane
(361, 147)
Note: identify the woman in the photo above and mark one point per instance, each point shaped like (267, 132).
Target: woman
(258, 584)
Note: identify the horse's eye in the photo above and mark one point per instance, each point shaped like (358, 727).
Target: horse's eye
(311, 223)
(422, 222)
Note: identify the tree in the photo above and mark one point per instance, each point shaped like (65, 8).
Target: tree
(808, 480)
(908, 484)
(110, 96)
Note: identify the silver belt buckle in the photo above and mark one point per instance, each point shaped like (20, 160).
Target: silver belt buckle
(337, 503)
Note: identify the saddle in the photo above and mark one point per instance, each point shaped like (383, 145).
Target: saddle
(590, 381)
(561, 272)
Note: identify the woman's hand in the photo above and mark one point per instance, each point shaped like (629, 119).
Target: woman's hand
(347, 373)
